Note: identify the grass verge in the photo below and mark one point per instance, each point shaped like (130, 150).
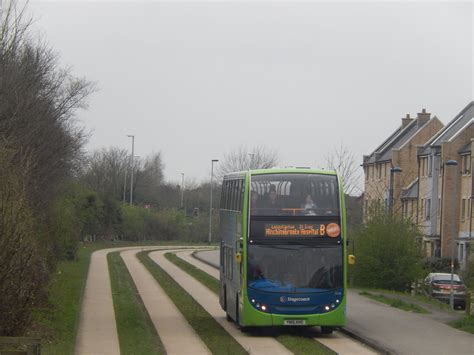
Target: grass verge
(395, 302)
(137, 334)
(203, 277)
(466, 324)
(429, 301)
(212, 334)
(292, 338)
(57, 322)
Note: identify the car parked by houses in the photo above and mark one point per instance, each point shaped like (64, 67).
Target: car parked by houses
(438, 286)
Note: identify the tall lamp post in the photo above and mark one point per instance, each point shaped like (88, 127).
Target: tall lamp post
(393, 171)
(182, 190)
(125, 185)
(210, 204)
(131, 174)
(452, 163)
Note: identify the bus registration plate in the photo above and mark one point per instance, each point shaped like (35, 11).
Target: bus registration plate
(294, 322)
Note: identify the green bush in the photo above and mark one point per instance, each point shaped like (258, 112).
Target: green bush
(133, 222)
(67, 226)
(24, 271)
(388, 255)
(78, 214)
(468, 274)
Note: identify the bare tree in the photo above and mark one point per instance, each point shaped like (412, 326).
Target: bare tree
(40, 145)
(106, 171)
(342, 160)
(38, 101)
(149, 179)
(244, 158)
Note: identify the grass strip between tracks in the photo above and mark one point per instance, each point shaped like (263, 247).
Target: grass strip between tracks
(212, 334)
(293, 339)
(203, 277)
(136, 332)
(395, 302)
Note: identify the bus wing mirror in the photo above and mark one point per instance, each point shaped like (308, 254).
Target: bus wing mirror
(351, 259)
(238, 258)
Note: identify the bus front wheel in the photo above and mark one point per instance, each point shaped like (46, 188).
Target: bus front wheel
(327, 330)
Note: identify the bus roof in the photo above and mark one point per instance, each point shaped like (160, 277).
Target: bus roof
(241, 174)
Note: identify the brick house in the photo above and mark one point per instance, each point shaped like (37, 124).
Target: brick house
(398, 150)
(444, 194)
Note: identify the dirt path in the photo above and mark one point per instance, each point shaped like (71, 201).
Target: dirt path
(338, 342)
(170, 324)
(210, 302)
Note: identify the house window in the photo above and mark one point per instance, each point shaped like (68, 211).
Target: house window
(424, 166)
(466, 164)
(366, 170)
(463, 209)
(428, 208)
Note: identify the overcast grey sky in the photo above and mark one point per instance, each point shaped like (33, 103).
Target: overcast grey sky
(196, 79)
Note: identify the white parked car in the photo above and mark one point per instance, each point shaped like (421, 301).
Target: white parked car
(438, 285)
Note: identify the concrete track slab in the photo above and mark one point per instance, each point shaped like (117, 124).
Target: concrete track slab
(188, 257)
(337, 342)
(210, 302)
(170, 324)
(97, 332)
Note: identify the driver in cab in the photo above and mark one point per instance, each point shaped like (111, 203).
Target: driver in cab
(272, 204)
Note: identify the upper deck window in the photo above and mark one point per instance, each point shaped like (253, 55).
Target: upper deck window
(294, 195)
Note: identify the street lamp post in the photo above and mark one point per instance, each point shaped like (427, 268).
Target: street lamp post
(210, 204)
(182, 190)
(452, 163)
(393, 171)
(125, 186)
(131, 174)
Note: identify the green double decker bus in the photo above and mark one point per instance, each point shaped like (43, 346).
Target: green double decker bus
(282, 248)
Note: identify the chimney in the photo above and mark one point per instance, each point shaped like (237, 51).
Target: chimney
(406, 120)
(422, 117)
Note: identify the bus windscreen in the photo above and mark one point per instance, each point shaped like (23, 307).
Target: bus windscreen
(294, 268)
(294, 195)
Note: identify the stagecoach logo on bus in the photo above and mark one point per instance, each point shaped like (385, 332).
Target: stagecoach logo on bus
(284, 299)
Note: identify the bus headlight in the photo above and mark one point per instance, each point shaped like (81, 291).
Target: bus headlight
(263, 308)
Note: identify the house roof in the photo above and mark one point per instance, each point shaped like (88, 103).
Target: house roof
(410, 192)
(395, 141)
(453, 127)
(450, 131)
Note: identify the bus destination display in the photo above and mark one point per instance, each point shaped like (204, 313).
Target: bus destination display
(288, 230)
